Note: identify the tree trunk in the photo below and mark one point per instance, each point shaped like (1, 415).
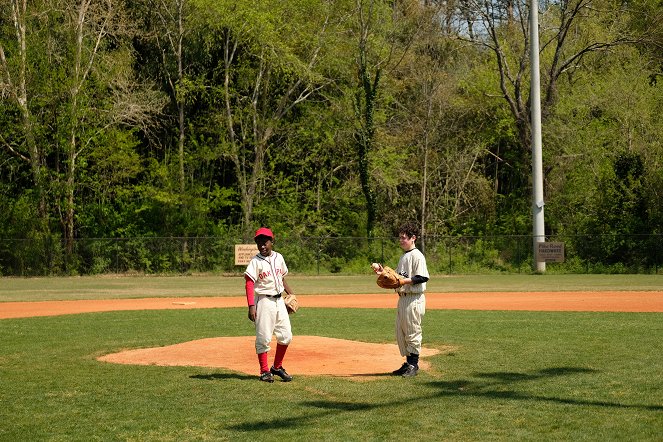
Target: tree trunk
(18, 91)
(69, 195)
(424, 180)
(365, 99)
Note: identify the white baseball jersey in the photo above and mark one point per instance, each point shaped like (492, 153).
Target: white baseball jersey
(267, 273)
(411, 303)
(412, 263)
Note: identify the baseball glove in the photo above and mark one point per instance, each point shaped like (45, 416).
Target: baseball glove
(291, 303)
(389, 279)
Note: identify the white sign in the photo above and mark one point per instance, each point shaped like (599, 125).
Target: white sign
(550, 252)
(244, 253)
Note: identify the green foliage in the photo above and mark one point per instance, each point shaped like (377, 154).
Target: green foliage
(298, 140)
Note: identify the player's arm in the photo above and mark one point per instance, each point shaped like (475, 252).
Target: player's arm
(249, 287)
(418, 279)
(420, 267)
(287, 288)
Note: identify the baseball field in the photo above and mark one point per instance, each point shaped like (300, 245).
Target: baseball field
(508, 357)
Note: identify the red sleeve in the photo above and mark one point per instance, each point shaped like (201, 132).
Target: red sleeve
(248, 286)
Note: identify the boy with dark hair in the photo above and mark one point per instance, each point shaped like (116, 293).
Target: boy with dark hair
(411, 299)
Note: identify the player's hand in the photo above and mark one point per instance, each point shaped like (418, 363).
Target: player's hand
(252, 313)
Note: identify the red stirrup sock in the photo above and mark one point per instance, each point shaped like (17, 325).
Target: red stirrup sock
(262, 358)
(280, 353)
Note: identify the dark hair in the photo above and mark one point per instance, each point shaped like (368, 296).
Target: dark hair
(410, 228)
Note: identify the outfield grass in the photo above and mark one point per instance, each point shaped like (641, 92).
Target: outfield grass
(511, 376)
(105, 287)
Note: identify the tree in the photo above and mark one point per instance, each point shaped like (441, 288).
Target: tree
(267, 59)
(95, 68)
(610, 122)
(15, 91)
(432, 122)
(383, 37)
(571, 31)
(175, 16)
(70, 94)
(446, 145)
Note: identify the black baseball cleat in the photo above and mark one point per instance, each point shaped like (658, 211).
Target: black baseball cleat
(280, 372)
(401, 370)
(410, 371)
(266, 376)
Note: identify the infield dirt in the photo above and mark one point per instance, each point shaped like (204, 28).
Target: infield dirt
(608, 301)
(316, 355)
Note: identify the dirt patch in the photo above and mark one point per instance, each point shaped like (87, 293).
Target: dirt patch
(315, 355)
(615, 301)
(307, 355)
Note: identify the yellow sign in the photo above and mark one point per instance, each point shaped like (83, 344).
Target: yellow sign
(244, 253)
(550, 252)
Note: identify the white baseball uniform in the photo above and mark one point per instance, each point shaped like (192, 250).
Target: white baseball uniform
(267, 273)
(411, 302)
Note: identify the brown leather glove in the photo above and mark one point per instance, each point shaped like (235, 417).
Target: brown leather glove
(389, 279)
(291, 303)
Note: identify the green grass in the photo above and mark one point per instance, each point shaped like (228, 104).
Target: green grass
(511, 376)
(103, 287)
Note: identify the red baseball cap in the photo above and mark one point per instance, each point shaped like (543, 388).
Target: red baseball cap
(264, 231)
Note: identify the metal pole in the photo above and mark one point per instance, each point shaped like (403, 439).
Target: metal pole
(537, 167)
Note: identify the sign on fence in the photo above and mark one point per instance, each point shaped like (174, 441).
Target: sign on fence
(244, 253)
(550, 252)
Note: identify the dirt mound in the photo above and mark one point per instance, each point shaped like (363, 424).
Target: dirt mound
(307, 355)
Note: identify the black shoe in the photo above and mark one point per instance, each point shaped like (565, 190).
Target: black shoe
(281, 373)
(410, 371)
(266, 377)
(401, 370)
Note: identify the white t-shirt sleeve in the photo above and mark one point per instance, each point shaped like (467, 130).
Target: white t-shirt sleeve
(419, 265)
(252, 269)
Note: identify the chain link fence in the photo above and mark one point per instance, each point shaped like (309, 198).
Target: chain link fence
(327, 255)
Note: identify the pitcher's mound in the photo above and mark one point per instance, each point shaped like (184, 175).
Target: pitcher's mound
(307, 355)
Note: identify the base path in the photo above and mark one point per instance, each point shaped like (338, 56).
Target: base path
(616, 301)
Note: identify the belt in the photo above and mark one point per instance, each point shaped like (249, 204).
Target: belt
(410, 293)
(274, 296)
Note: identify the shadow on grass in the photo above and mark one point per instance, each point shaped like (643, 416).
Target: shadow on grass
(507, 377)
(327, 408)
(244, 377)
(280, 423)
(491, 388)
(369, 375)
(340, 406)
(223, 376)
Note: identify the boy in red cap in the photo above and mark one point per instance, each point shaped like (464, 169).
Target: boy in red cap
(265, 285)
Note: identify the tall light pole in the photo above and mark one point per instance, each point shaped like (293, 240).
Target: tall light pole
(538, 233)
